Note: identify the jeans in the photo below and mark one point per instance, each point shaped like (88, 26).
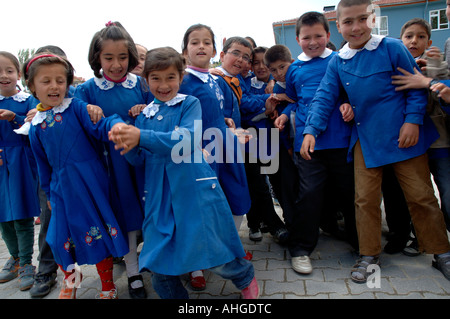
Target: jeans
(239, 271)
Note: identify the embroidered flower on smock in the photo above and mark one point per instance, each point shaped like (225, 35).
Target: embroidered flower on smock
(40, 116)
(18, 97)
(347, 53)
(105, 85)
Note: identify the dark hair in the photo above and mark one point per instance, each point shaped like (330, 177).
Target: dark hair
(193, 28)
(51, 49)
(252, 42)
(116, 32)
(12, 58)
(276, 53)
(161, 59)
(311, 18)
(350, 3)
(238, 40)
(418, 21)
(29, 70)
(258, 50)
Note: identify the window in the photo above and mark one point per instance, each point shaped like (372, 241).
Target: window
(381, 26)
(438, 20)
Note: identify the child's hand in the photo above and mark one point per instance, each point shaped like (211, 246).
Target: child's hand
(95, 113)
(215, 71)
(136, 110)
(31, 114)
(49, 205)
(7, 115)
(309, 142)
(434, 53)
(1, 159)
(409, 135)
(271, 104)
(280, 121)
(269, 87)
(410, 81)
(283, 97)
(442, 90)
(230, 123)
(243, 135)
(126, 137)
(347, 112)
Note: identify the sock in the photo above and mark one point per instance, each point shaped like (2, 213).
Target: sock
(105, 271)
(131, 260)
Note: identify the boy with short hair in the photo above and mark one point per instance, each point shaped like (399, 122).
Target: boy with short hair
(329, 163)
(389, 130)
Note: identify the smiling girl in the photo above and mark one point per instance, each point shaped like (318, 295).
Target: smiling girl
(112, 57)
(19, 202)
(83, 228)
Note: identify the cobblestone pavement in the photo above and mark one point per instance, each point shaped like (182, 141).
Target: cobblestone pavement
(401, 277)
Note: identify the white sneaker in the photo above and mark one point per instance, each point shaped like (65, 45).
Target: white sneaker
(301, 264)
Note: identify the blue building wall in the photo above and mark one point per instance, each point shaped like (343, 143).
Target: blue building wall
(397, 16)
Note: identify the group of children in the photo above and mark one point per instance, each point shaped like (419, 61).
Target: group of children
(158, 147)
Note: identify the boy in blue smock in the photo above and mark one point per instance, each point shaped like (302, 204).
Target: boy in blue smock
(390, 128)
(329, 162)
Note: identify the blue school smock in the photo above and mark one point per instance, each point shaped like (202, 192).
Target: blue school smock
(253, 103)
(18, 175)
(231, 105)
(379, 110)
(288, 133)
(231, 172)
(119, 98)
(302, 80)
(188, 223)
(83, 227)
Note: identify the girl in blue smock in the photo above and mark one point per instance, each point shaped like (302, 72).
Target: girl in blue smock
(188, 223)
(83, 228)
(19, 202)
(223, 146)
(112, 56)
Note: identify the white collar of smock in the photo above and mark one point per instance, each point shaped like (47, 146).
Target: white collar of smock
(257, 84)
(106, 85)
(201, 75)
(282, 84)
(18, 97)
(225, 72)
(153, 108)
(41, 116)
(305, 58)
(347, 53)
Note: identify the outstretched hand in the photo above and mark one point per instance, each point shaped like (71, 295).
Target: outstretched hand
(126, 137)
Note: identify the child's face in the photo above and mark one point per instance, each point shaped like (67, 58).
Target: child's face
(200, 48)
(236, 58)
(355, 24)
(415, 38)
(50, 84)
(114, 59)
(8, 77)
(279, 69)
(141, 58)
(259, 67)
(313, 39)
(164, 84)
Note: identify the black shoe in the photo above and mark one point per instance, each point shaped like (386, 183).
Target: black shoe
(42, 285)
(412, 250)
(281, 236)
(442, 264)
(395, 245)
(136, 293)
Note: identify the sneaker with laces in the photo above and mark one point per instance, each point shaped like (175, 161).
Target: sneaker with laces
(281, 236)
(252, 291)
(43, 284)
(10, 270)
(26, 277)
(255, 234)
(301, 264)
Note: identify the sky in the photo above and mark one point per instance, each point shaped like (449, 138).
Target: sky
(30, 24)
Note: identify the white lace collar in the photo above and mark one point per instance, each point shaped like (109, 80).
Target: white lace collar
(41, 116)
(347, 53)
(325, 54)
(257, 84)
(282, 84)
(106, 85)
(153, 108)
(18, 97)
(204, 77)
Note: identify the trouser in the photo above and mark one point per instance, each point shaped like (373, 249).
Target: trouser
(47, 262)
(239, 271)
(19, 239)
(415, 179)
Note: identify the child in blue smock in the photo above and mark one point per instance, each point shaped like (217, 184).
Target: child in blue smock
(328, 171)
(219, 141)
(390, 128)
(19, 202)
(112, 56)
(188, 223)
(83, 228)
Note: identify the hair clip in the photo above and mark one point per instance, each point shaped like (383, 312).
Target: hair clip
(109, 24)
